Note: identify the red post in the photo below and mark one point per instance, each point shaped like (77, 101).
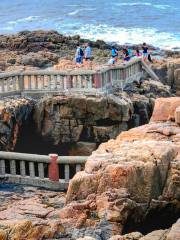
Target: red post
(53, 169)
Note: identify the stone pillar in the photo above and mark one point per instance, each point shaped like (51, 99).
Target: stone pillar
(97, 80)
(53, 169)
(177, 115)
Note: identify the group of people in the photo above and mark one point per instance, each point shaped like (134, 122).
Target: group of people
(82, 55)
(127, 54)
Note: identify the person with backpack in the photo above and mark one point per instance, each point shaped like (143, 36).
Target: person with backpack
(114, 53)
(79, 54)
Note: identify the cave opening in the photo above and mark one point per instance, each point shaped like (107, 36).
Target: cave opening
(156, 219)
(30, 141)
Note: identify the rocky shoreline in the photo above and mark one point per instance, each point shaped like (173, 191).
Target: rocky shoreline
(42, 49)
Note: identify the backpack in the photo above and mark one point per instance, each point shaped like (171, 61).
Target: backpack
(81, 52)
(114, 52)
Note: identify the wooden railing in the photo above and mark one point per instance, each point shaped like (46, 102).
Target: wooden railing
(45, 82)
(50, 172)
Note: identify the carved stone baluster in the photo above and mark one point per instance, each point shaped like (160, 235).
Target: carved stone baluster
(49, 82)
(67, 172)
(21, 81)
(2, 85)
(31, 169)
(2, 167)
(46, 82)
(65, 82)
(37, 81)
(30, 83)
(78, 167)
(90, 82)
(61, 82)
(14, 83)
(22, 168)
(42, 82)
(13, 167)
(41, 170)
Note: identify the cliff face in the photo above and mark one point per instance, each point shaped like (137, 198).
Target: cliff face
(169, 73)
(13, 112)
(80, 122)
(81, 118)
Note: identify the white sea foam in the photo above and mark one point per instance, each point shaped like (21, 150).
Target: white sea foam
(152, 36)
(158, 6)
(23, 20)
(80, 10)
(73, 13)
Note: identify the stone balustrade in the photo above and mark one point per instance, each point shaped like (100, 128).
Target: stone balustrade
(51, 172)
(48, 81)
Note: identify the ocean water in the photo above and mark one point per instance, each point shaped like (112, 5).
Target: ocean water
(156, 22)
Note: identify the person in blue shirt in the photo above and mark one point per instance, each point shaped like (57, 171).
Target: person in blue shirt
(114, 53)
(79, 55)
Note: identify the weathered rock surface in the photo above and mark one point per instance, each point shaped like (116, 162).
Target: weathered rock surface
(126, 183)
(13, 112)
(132, 176)
(81, 118)
(96, 118)
(165, 109)
(169, 72)
(24, 210)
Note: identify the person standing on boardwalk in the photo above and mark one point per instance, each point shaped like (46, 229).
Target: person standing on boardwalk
(114, 53)
(145, 51)
(88, 52)
(126, 55)
(79, 54)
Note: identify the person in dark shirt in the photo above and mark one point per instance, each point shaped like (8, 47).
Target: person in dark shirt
(145, 51)
(126, 54)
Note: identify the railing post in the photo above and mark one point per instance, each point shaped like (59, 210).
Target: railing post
(53, 168)
(98, 83)
(2, 167)
(21, 82)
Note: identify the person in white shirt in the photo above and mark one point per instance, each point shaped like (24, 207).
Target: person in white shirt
(88, 52)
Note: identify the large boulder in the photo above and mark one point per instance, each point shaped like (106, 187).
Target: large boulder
(134, 175)
(64, 119)
(165, 109)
